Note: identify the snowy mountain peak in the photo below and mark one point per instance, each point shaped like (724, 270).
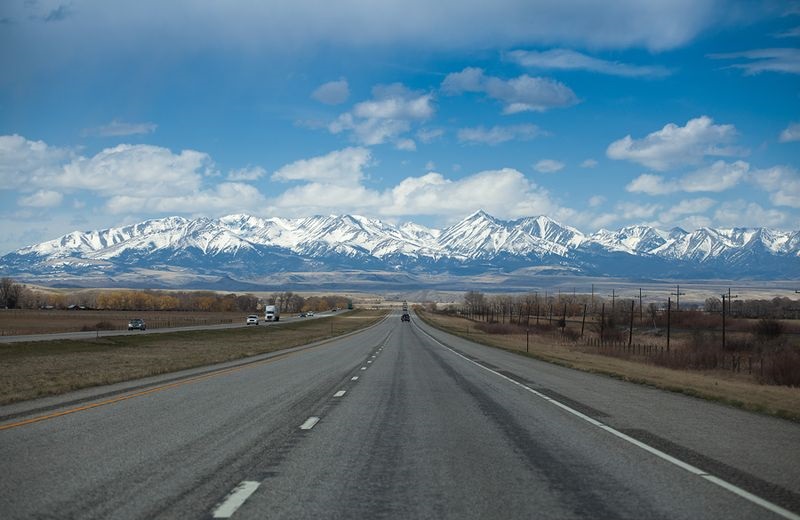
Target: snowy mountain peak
(245, 247)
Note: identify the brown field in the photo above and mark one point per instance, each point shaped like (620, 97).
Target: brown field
(15, 322)
(739, 389)
(38, 369)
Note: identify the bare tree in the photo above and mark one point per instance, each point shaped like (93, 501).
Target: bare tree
(474, 302)
(10, 293)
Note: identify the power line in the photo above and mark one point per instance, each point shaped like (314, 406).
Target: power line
(678, 295)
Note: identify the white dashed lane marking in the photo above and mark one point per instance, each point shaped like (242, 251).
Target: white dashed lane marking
(235, 499)
(310, 423)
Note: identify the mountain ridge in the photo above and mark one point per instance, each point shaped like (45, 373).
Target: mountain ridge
(251, 249)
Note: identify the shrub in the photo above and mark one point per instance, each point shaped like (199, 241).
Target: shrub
(100, 325)
(767, 328)
(500, 328)
(571, 335)
(783, 369)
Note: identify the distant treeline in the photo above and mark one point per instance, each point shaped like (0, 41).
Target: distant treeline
(502, 307)
(17, 296)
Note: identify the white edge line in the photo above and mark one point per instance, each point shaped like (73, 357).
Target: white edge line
(340, 393)
(363, 368)
(310, 423)
(654, 451)
(235, 499)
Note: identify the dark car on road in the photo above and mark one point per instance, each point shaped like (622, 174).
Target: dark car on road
(136, 323)
(405, 317)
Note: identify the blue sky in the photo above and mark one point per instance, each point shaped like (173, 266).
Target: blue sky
(598, 114)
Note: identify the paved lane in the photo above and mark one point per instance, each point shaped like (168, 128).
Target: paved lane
(400, 421)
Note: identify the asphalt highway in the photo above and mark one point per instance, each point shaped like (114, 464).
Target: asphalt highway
(397, 421)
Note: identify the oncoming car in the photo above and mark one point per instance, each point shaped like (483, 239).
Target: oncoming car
(136, 323)
(252, 320)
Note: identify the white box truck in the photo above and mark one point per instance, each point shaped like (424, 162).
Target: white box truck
(271, 313)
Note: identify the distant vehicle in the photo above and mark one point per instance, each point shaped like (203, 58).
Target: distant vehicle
(303, 314)
(310, 314)
(405, 306)
(272, 313)
(252, 320)
(405, 317)
(136, 323)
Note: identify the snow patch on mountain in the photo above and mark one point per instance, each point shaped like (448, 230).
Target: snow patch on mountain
(247, 247)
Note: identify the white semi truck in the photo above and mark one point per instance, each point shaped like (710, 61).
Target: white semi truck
(272, 313)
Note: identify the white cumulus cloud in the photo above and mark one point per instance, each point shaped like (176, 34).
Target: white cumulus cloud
(676, 145)
(42, 199)
(790, 133)
(718, 177)
(341, 167)
(781, 182)
(249, 173)
(387, 116)
(332, 92)
(505, 193)
(223, 198)
(521, 94)
(687, 207)
(126, 167)
(740, 213)
(548, 166)
(499, 134)
(24, 162)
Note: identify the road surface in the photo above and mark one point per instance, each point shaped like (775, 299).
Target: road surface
(397, 421)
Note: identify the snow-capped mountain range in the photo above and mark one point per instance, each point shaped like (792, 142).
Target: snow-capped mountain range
(265, 251)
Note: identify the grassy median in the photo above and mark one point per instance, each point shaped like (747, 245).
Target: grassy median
(38, 369)
(721, 386)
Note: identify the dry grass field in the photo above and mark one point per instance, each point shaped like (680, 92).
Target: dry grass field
(733, 388)
(15, 322)
(38, 369)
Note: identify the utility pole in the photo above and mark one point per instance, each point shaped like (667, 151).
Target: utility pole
(613, 299)
(630, 334)
(641, 315)
(669, 316)
(678, 295)
(723, 321)
(602, 322)
(724, 296)
(583, 322)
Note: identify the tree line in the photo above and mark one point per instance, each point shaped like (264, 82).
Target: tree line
(518, 309)
(14, 295)
(289, 302)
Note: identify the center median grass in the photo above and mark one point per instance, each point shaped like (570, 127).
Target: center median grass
(39, 369)
(780, 401)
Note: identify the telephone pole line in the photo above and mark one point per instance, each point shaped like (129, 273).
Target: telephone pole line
(641, 315)
(724, 296)
(678, 295)
(613, 299)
